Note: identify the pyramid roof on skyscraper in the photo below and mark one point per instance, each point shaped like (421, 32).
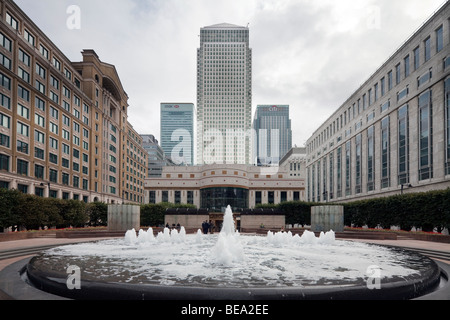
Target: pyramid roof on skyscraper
(225, 26)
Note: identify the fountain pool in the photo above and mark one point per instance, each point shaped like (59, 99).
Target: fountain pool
(229, 265)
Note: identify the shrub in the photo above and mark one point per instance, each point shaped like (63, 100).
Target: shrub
(98, 214)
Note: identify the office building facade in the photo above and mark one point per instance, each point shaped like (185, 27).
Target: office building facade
(273, 131)
(392, 135)
(156, 159)
(64, 131)
(177, 132)
(224, 95)
(214, 187)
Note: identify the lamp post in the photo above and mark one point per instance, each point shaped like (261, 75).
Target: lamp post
(405, 185)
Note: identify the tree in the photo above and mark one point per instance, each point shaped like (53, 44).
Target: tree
(9, 201)
(98, 214)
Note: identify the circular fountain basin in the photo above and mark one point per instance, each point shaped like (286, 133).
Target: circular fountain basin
(207, 267)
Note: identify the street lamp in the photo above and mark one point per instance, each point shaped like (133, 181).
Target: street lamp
(406, 185)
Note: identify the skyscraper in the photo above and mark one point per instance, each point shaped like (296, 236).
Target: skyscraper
(224, 95)
(177, 132)
(273, 134)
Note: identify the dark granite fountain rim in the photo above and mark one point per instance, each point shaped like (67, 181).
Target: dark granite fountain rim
(393, 289)
(14, 284)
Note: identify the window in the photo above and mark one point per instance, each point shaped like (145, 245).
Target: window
(331, 177)
(439, 39)
(53, 176)
(427, 44)
(348, 166)
(53, 143)
(403, 145)
(385, 106)
(5, 121)
(398, 75)
(358, 164)
(402, 94)
(53, 158)
(12, 21)
(416, 58)
(39, 136)
(5, 101)
(4, 140)
(65, 179)
(23, 93)
(339, 172)
(5, 61)
(43, 50)
(53, 128)
(54, 82)
(425, 136)
(407, 66)
(23, 129)
(5, 82)
(24, 58)
(56, 63)
(4, 162)
(54, 113)
(39, 120)
(66, 163)
(5, 42)
(39, 153)
(370, 158)
(385, 153)
(40, 71)
(22, 147)
(38, 171)
(25, 76)
(29, 37)
(22, 167)
(425, 78)
(390, 81)
(447, 125)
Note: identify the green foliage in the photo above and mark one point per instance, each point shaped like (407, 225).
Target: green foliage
(98, 214)
(32, 212)
(297, 212)
(153, 215)
(9, 202)
(426, 210)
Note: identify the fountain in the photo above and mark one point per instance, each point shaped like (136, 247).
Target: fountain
(233, 266)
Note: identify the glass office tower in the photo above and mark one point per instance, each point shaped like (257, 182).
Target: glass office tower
(224, 95)
(273, 134)
(177, 132)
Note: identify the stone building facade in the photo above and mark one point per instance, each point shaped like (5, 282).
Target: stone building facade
(64, 129)
(214, 187)
(392, 135)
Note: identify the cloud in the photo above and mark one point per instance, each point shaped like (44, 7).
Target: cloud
(309, 54)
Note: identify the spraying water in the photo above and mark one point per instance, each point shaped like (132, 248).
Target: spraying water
(228, 249)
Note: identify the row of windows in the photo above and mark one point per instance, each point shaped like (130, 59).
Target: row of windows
(23, 168)
(39, 191)
(420, 55)
(30, 38)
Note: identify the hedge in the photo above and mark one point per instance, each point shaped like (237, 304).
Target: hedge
(427, 210)
(31, 212)
(153, 215)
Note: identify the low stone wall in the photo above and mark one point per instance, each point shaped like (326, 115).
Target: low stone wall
(275, 222)
(326, 218)
(124, 217)
(187, 221)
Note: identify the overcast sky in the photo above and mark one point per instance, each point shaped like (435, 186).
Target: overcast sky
(309, 54)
